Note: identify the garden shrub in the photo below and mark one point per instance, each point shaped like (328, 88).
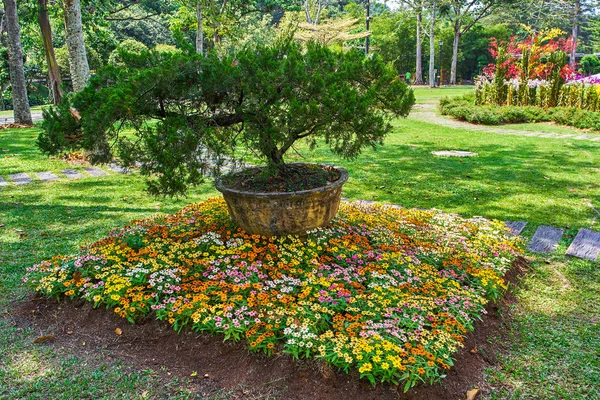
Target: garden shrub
(262, 100)
(590, 65)
(462, 110)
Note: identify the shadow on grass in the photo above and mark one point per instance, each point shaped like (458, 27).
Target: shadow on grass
(514, 181)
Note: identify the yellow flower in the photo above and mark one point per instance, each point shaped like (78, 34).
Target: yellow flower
(366, 367)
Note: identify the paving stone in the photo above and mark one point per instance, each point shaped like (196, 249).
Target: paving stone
(2, 182)
(516, 227)
(545, 239)
(597, 138)
(118, 169)
(21, 179)
(586, 245)
(453, 153)
(583, 137)
(47, 176)
(71, 174)
(95, 171)
(568, 135)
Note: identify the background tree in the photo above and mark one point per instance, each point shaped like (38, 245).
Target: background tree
(22, 113)
(80, 69)
(432, 8)
(418, 7)
(54, 78)
(463, 15)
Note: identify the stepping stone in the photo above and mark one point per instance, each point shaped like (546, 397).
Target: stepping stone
(586, 245)
(549, 135)
(583, 137)
(95, 171)
(47, 176)
(568, 135)
(21, 179)
(545, 239)
(71, 174)
(2, 182)
(118, 169)
(453, 153)
(516, 227)
(597, 138)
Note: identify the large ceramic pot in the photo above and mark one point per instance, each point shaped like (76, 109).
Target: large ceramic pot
(288, 213)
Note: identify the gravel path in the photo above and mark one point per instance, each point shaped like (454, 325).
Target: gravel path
(36, 116)
(428, 113)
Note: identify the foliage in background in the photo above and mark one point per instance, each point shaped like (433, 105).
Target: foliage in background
(126, 48)
(535, 72)
(590, 65)
(62, 59)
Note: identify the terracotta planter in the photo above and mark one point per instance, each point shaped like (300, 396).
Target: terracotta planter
(289, 213)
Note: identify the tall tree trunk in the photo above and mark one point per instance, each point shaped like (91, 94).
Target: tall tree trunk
(199, 30)
(20, 102)
(80, 70)
(455, 52)
(54, 81)
(419, 60)
(575, 31)
(432, 48)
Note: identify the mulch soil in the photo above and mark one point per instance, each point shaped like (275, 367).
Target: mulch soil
(15, 126)
(77, 329)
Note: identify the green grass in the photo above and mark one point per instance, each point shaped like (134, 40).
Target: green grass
(18, 153)
(432, 95)
(551, 346)
(540, 180)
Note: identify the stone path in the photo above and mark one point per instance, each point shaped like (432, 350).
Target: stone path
(545, 240)
(586, 244)
(9, 119)
(48, 176)
(427, 113)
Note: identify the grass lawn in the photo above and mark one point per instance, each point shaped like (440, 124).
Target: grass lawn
(552, 341)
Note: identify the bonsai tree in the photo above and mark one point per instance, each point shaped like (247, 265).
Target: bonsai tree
(166, 107)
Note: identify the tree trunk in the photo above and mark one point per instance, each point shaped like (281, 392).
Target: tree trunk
(419, 66)
(54, 81)
(199, 31)
(432, 48)
(455, 52)
(20, 102)
(80, 70)
(575, 31)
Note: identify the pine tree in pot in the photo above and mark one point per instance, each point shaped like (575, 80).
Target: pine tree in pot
(264, 99)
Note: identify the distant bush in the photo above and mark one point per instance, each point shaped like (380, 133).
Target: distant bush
(129, 46)
(464, 109)
(590, 65)
(166, 48)
(62, 59)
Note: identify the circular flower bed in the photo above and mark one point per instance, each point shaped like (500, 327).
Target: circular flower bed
(388, 292)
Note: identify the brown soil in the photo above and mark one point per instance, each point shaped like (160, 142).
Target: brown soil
(291, 178)
(230, 367)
